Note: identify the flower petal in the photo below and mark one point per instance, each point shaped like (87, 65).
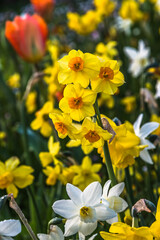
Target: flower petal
(137, 124)
(148, 128)
(92, 194)
(87, 228)
(72, 226)
(146, 157)
(75, 194)
(112, 220)
(106, 188)
(103, 213)
(10, 227)
(116, 190)
(65, 208)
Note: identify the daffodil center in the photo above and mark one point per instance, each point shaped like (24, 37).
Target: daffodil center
(87, 214)
(106, 73)
(6, 179)
(86, 173)
(60, 127)
(75, 103)
(76, 64)
(92, 136)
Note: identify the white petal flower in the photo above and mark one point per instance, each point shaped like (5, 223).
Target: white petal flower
(112, 196)
(55, 234)
(157, 95)
(139, 58)
(83, 210)
(9, 228)
(142, 133)
(82, 237)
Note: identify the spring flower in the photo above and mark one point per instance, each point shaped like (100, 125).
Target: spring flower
(49, 157)
(142, 133)
(92, 134)
(112, 196)
(63, 124)
(43, 7)
(125, 145)
(9, 228)
(42, 120)
(123, 25)
(13, 177)
(78, 102)
(84, 24)
(107, 100)
(154, 228)
(53, 174)
(107, 50)
(14, 81)
(108, 79)
(139, 58)
(130, 103)
(105, 7)
(122, 231)
(83, 210)
(27, 34)
(31, 102)
(78, 67)
(86, 173)
(130, 10)
(67, 174)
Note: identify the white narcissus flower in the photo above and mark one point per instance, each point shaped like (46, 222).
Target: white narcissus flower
(55, 234)
(116, 203)
(83, 210)
(142, 133)
(82, 237)
(139, 58)
(9, 228)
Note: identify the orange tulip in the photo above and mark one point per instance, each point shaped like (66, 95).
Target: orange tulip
(28, 34)
(43, 7)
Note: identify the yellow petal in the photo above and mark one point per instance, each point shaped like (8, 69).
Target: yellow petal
(12, 189)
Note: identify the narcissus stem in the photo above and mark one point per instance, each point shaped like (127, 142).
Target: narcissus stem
(105, 149)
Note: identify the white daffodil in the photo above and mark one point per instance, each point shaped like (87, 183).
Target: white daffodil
(83, 210)
(82, 237)
(157, 95)
(9, 228)
(142, 133)
(55, 234)
(123, 25)
(139, 58)
(116, 203)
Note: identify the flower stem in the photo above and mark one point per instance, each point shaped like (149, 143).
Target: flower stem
(105, 149)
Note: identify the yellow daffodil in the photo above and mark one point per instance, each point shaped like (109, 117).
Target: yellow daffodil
(67, 175)
(122, 231)
(63, 124)
(78, 102)
(14, 81)
(13, 176)
(42, 120)
(49, 157)
(108, 79)
(52, 173)
(77, 143)
(155, 227)
(84, 24)
(155, 118)
(78, 67)
(125, 145)
(92, 134)
(31, 102)
(86, 173)
(105, 7)
(130, 10)
(130, 103)
(107, 50)
(2, 138)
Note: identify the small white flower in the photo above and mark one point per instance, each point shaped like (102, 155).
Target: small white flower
(123, 25)
(142, 133)
(116, 203)
(55, 234)
(83, 210)
(157, 95)
(9, 228)
(139, 58)
(82, 237)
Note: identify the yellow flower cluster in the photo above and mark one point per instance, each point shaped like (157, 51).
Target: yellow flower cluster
(87, 23)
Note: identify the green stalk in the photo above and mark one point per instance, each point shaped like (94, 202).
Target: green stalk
(129, 186)
(105, 149)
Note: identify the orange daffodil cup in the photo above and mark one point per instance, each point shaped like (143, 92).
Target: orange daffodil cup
(28, 34)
